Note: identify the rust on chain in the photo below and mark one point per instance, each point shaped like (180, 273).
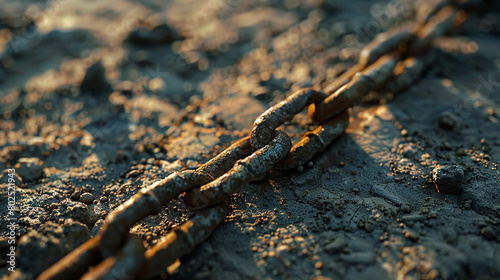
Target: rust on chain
(342, 80)
(128, 262)
(265, 125)
(244, 171)
(427, 9)
(437, 26)
(314, 141)
(408, 71)
(150, 199)
(380, 71)
(182, 240)
(76, 263)
(371, 78)
(383, 44)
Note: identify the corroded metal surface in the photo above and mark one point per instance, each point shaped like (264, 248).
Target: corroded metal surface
(128, 261)
(150, 199)
(244, 171)
(383, 44)
(314, 142)
(265, 124)
(76, 263)
(183, 239)
(342, 99)
(408, 71)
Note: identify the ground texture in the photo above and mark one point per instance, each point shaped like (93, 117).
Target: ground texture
(100, 98)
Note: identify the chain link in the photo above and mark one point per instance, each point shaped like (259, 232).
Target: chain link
(250, 168)
(392, 61)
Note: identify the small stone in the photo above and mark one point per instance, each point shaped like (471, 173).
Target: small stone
(86, 198)
(405, 208)
(103, 199)
(76, 195)
(411, 236)
(29, 168)
(448, 179)
(369, 227)
(447, 120)
(318, 265)
(488, 233)
(77, 211)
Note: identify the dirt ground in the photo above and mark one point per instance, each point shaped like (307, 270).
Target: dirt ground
(101, 98)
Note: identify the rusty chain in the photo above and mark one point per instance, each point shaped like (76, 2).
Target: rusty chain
(392, 61)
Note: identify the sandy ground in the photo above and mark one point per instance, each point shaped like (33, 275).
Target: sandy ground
(95, 105)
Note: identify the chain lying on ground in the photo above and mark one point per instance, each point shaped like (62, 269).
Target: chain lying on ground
(392, 61)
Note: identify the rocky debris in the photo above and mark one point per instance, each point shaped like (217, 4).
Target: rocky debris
(47, 245)
(95, 80)
(75, 210)
(448, 179)
(29, 169)
(448, 120)
(96, 212)
(86, 198)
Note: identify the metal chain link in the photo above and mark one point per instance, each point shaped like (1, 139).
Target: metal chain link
(392, 61)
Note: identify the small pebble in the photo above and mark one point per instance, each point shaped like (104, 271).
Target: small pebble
(29, 168)
(405, 208)
(318, 265)
(448, 179)
(87, 198)
(411, 236)
(369, 227)
(448, 120)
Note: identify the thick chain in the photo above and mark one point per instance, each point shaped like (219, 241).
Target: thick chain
(392, 61)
